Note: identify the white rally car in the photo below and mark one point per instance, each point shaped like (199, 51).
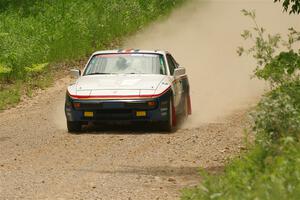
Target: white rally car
(128, 86)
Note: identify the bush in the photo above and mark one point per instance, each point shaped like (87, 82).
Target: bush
(278, 114)
(272, 174)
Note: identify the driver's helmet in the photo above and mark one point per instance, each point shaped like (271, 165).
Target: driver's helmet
(122, 63)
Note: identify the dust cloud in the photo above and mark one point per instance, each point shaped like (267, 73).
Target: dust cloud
(58, 116)
(203, 36)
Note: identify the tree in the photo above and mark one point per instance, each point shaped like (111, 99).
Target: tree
(291, 6)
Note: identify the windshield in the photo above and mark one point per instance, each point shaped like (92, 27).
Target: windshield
(126, 64)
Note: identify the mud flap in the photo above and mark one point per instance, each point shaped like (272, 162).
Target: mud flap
(189, 105)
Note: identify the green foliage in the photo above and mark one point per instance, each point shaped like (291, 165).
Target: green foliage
(4, 70)
(271, 168)
(36, 68)
(278, 114)
(293, 6)
(277, 69)
(271, 174)
(9, 96)
(281, 69)
(33, 32)
(40, 77)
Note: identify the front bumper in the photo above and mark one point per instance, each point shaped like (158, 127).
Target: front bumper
(118, 110)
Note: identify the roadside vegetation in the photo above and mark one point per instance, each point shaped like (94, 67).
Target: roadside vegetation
(35, 35)
(270, 168)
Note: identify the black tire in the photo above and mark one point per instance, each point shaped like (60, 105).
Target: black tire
(74, 127)
(169, 125)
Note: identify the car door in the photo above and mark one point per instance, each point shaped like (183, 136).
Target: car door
(182, 85)
(176, 80)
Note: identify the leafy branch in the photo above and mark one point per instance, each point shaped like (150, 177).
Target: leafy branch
(293, 6)
(271, 66)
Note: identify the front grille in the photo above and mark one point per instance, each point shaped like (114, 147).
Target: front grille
(93, 106)
(115, 105)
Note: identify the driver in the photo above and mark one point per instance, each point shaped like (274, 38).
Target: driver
(122, 64)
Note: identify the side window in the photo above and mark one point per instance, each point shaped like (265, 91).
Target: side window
(171, 64)
(174, 61)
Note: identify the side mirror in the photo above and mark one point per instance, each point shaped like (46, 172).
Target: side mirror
(75, 73)
(179, 71)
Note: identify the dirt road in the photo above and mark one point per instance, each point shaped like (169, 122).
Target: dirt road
(40, 160)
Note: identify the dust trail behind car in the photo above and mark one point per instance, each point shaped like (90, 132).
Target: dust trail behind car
(204, 37)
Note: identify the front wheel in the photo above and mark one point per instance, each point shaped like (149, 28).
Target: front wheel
(170, 124)
(74, 127)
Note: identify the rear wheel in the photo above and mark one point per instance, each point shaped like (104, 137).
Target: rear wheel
(170, 124)
(74, 127)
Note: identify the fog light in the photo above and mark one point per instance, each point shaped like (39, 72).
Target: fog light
(141, 113)
(88, 114)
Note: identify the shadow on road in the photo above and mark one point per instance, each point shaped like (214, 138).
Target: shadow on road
(128, 128)
(139, 128)
(157, 170)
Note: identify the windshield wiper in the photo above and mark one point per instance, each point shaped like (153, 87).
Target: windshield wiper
(135, 73)
(96, 73)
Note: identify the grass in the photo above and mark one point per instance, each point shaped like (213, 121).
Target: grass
(33, 32)
(10, 95)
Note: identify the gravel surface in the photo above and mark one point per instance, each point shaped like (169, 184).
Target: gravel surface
(40, 160)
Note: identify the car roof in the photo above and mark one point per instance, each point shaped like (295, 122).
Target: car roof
(129, 51)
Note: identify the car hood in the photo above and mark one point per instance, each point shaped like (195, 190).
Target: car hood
(131, 84)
